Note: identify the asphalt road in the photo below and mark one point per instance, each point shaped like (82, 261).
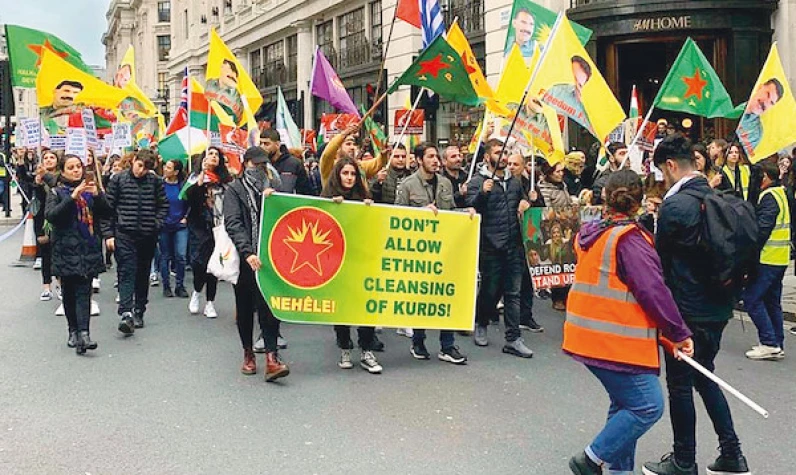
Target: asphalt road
(171, 400)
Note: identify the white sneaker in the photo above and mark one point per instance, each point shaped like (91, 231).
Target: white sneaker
(210, 310)
(281, 342)
(369, 362)
(345, 360)
(259, 345)
(95, 311)
(58, 292)
(95, 285)
(407, 332)
(153, 279)
(193, 305)
(46, 296)
(117, 298)
(763, 352)
(60, 312)
(37, 263)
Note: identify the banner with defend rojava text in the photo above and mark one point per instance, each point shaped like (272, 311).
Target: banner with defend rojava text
(352, 264)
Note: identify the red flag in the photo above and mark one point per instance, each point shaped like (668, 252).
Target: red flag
(409, 11)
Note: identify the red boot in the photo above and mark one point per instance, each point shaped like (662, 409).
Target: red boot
(274, 368)
(249, 363)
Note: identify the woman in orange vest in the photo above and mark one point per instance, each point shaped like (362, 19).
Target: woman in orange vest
(616, 307)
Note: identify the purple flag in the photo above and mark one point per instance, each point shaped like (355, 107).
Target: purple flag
(328, 86)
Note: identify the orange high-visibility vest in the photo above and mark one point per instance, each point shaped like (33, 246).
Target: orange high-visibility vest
(604, 321)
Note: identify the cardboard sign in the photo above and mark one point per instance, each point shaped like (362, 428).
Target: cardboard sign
(31, 132)
(122, 135)
(77, 143)
(90, 125)
(57, 142)
(414, 122)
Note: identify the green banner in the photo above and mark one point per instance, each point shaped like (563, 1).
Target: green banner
(24, 51)
(377, 265)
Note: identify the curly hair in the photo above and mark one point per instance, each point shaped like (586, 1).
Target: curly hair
(624, 192)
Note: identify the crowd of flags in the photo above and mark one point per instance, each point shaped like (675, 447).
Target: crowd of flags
(534, 98)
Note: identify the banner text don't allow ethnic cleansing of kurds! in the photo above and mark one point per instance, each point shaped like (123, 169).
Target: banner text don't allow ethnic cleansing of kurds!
(352, 264)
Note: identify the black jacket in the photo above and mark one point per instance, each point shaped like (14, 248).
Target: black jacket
(385, 192)
(238, 221)
(684, 265)
(574, 183)
(72, 253)
(767, 212)
(457, 182)
(500, 226)
(293, 174)
(139, 205)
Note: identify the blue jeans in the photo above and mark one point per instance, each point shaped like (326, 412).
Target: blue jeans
(173, 248)
(763, 300)
(682, 379)
(446, 338)
(636, 405)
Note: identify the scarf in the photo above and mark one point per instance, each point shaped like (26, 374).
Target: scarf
(85, 218)
(254, 181)
(212, 176)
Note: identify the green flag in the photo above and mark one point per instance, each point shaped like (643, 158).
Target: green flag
(440, 69)
(377, 135)
(24, 51)
(692, 86)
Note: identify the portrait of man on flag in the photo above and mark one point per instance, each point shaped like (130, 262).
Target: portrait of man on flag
(750, 129)
(224, 89)
(521, 32)
(567, 98)
(56, 116)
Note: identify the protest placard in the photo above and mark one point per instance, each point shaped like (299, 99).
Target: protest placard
(122, 135)
(76, 143)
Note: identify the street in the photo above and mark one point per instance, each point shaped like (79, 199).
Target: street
(171, 399)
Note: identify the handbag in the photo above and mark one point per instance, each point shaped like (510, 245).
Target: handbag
(224, 261)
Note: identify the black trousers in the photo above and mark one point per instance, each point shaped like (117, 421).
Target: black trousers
(133, 262)
(76, 291)
(364, 334)
(46, 252)
(202, 277)
(526, 298)
(249, 299)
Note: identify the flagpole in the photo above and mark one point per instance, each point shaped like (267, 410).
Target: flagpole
(638, 134)
(478, 146)
(542, 57)
(386, 50)
(406, 123)
(188, 113)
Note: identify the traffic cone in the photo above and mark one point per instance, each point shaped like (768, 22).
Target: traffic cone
(28, 253)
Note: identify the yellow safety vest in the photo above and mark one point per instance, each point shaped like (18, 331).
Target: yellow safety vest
(730, 174)
(776, 252)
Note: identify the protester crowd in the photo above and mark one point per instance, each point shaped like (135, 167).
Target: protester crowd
(642, 269)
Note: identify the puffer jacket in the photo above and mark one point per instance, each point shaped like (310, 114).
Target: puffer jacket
(500, 226)
(72, 253)
(139, 205)
(555, 195)
(385, 192)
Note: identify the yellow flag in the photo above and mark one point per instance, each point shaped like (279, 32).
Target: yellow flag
(223, 117)
(768, 123)
(459, 43)
(228, 83)
(124, 78)
(568, 80)
(537, 128)
(60, 85)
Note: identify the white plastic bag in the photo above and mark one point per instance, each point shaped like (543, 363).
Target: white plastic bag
(224, 261)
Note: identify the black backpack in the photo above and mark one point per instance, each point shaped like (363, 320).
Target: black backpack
(729, 239)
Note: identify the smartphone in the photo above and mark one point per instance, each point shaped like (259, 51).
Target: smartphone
(90, 177)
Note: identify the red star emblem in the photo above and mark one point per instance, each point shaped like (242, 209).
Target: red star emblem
(433, 67)
(39, 50)
(695, 85)
(308, 247)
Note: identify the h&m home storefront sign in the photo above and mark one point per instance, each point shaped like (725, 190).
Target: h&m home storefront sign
(663, 23)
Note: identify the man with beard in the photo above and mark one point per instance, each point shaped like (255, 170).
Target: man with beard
(500, 199)
(384, 186)
(427, 188)
(344, 145)
(452, 170)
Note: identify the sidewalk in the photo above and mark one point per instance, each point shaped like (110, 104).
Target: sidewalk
(16, 212)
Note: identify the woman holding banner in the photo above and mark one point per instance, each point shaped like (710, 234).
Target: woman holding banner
(346, 183)
(72, 208)
(242, 211)
(616, 308)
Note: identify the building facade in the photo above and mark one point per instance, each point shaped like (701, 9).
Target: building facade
(634, 42)
(146, 25)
